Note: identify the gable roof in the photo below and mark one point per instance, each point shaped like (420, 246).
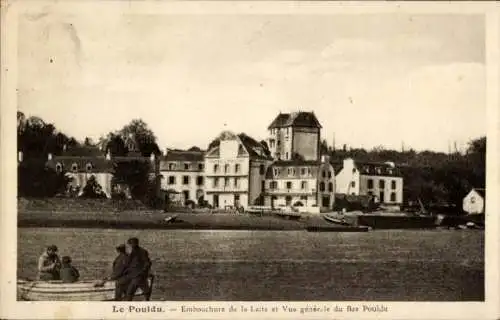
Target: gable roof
(480, 191)
(98, 164)
(371, 168)
(295, 119)
(254, 148)
(183, 155)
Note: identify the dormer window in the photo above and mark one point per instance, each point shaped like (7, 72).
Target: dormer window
(74, 167)
(171, 166)
(216, 168)
(353, 170)
(88, 167)
(186, 166)
(276, 171)
(200, 166)
(378, 170)
(59, 168)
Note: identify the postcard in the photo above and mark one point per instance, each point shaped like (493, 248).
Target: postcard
(233, 160)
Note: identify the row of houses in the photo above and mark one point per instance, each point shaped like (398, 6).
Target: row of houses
(288, 170)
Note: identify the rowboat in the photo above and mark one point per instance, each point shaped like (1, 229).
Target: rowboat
(90, 290)
(335, 220)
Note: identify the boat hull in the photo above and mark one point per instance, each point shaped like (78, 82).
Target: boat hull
(58, 291)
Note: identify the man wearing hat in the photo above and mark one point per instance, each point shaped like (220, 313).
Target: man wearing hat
(49, 264)
(119, 266)
(137, 271)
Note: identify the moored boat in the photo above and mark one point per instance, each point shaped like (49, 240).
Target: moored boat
(90, 290)
(335, 220)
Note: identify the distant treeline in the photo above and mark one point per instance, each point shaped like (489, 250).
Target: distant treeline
(435, 178)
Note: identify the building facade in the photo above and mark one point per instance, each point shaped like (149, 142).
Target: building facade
(300, 183)
(84, 163)
(475, 201)
(235, 171)
(182, 175)
(383, 181)
(293, 135)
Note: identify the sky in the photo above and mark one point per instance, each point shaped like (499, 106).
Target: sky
(372, 80)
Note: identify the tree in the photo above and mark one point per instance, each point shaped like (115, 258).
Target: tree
(92, 189)
(142, 136)
(116, 146)
(194, 149)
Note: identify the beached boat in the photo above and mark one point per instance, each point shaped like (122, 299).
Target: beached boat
(335, 220)
(93, 290)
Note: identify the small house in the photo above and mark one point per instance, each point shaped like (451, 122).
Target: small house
(475, 201)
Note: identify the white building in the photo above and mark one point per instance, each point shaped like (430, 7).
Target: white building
(235, 172)
(182, 175)
(383, 181)
(475, 201)
(309, 184)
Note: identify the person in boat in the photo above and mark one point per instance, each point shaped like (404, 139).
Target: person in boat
(119, 266)
(68, 272)
(49, 264)
(137, 271)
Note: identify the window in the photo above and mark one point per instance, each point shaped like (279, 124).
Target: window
(276, 171)
(381, 184)
(309, 171)
(393, 196)
(330, 187)
(216, 168)
(262, 169)
(286, 155)
(289, 185)
(236, 182)
(216, 182)
(185, 180)
(393, 184)
(353, 170)
(303, 185)
(322, 186)
(226, 182)
(370, 193)
(262, 185)
(323, 173)
(226, 168)
(278, 156)
(390, 171)
(370, 183)
(59, 168)
(353, 184)
(378, 170)
(88, 167)
(171, 180)
(236, 168)
(303, 198)
(171, 166)
(74, 167)
(200, 166)
(273, 185)
(303, 171)
(271, 143)
(329, 174)
(199, 181)
(287, 131)
(186, 166)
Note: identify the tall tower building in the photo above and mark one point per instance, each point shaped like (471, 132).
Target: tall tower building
(294, 135)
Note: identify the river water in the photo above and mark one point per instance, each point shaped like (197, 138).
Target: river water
(405, 265)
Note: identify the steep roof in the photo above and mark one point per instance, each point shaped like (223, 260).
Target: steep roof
(254, 148)
(295, 119)
(481, 191)
(97, 164)
(183, 155)
(371, 168)
(297, 164)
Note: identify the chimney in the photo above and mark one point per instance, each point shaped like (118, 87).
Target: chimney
(49, 156)
(20, 156)
(325, 159)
